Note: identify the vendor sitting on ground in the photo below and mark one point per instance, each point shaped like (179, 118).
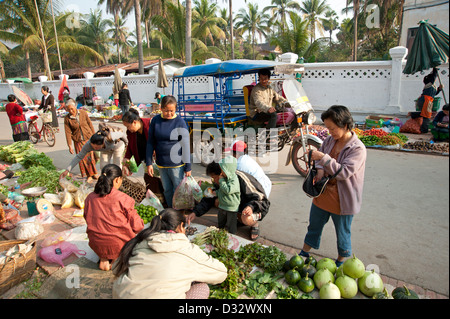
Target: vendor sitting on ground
(254, 204)
(261, 99)
(110, 216)
(160, 262)
(440, 130)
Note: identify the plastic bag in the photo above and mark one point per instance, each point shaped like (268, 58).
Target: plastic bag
(27, 229)
(68, 184)
(68, 200)
(132, 165)
(152, 200)
(53, 198)
(57, 253)
(81, 195)
(56, 238)
(12, 217)
(186, 193)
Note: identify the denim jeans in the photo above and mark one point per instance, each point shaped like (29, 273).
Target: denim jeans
(170, 178)
(124, 108)
(342, 224)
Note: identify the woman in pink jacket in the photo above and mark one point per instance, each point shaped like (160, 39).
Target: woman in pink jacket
(343, 195)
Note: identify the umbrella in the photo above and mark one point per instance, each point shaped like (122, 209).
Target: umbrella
(117, 86)
(162, 78)
(22, 96)
(430, 49)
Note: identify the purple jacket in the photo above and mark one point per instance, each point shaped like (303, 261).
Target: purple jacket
(350, 180)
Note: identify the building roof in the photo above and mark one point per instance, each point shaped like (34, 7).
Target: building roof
(108, 69)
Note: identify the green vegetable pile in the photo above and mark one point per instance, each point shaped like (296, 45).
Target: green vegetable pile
(23, 152)
(41, 177)
(146, 212)
(15, 152)
(241, 263)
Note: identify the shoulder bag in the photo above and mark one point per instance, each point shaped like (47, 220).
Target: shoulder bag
(315, 189)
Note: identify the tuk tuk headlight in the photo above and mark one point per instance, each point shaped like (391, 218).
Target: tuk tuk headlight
(309, 118)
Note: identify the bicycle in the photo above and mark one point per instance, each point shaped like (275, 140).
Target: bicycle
(46, 132)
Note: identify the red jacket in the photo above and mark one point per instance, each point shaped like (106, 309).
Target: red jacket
(132, 149)
(15, 113)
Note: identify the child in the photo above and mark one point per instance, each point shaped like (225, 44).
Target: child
(228, 194)
(110, 216)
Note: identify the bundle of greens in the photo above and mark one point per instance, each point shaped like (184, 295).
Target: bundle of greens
(41, 177)
(37, 159)
(15, 152)
(218, 238)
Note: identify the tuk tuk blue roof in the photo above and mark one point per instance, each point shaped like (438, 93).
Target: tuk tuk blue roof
(225, 67)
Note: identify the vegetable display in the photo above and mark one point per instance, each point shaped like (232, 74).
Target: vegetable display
(41, 177)
(15, 152)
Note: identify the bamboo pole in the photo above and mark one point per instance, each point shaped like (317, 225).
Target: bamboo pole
(46, 62)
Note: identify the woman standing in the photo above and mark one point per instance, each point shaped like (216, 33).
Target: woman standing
(110, 144)
(17, 119)
(168, 137)
(79, 129)
(48, 104)
(124, 99)
(110, 216)
(160, 262)
(342, 197)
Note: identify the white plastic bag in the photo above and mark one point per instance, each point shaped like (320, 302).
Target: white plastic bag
(28, 228)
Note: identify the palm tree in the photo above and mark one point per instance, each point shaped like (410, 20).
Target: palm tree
(19, 24)
(206, 23)
(312, 10)
(254, 22)
(94, 32)
(171, 31)
(330, 22)
(114, 7)
(188, 32)
(280, 9)
(119, 32)
(294, 38)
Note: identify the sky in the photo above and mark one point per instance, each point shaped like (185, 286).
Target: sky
(84, 6)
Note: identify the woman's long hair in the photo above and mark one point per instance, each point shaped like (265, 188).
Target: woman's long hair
(98, 138)
(168, 219)
(104, 183)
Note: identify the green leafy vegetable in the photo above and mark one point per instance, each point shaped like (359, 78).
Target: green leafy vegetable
(41, 177)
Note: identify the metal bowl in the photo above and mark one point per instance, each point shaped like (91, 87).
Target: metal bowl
(34, 191)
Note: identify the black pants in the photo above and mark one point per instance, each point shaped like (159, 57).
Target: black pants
(271, 118)
(228, 219)
(425, 123)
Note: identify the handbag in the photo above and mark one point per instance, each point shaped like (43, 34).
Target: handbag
(312, 189)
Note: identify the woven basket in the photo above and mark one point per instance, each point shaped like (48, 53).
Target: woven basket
(134, 189)
(15, 271)
(47, 117)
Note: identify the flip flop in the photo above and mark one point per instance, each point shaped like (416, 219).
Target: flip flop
(254, 232)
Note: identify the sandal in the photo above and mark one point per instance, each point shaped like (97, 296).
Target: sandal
(254, 233)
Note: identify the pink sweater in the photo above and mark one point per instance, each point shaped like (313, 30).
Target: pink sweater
(350, 180)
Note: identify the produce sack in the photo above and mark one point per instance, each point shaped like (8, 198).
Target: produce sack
(152, 200)
(183, 198)
(28, 228)
(55, 254)
(412, 126)
(68, 200)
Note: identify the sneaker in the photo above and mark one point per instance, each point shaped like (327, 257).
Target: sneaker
(304, 254)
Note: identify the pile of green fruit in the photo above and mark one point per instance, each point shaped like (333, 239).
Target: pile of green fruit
(337, 283)
(146, 212)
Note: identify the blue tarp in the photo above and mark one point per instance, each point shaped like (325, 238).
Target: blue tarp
(226, 67)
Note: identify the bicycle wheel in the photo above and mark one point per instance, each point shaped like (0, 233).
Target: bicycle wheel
(33, 132)
(49, 135)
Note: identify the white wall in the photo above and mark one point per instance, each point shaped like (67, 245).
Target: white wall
(364, 87)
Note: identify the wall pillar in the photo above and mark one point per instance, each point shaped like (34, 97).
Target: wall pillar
(398, 54)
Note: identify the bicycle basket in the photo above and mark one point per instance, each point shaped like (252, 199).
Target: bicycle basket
(47, 117)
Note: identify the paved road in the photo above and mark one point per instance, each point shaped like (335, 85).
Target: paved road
(403, 227)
